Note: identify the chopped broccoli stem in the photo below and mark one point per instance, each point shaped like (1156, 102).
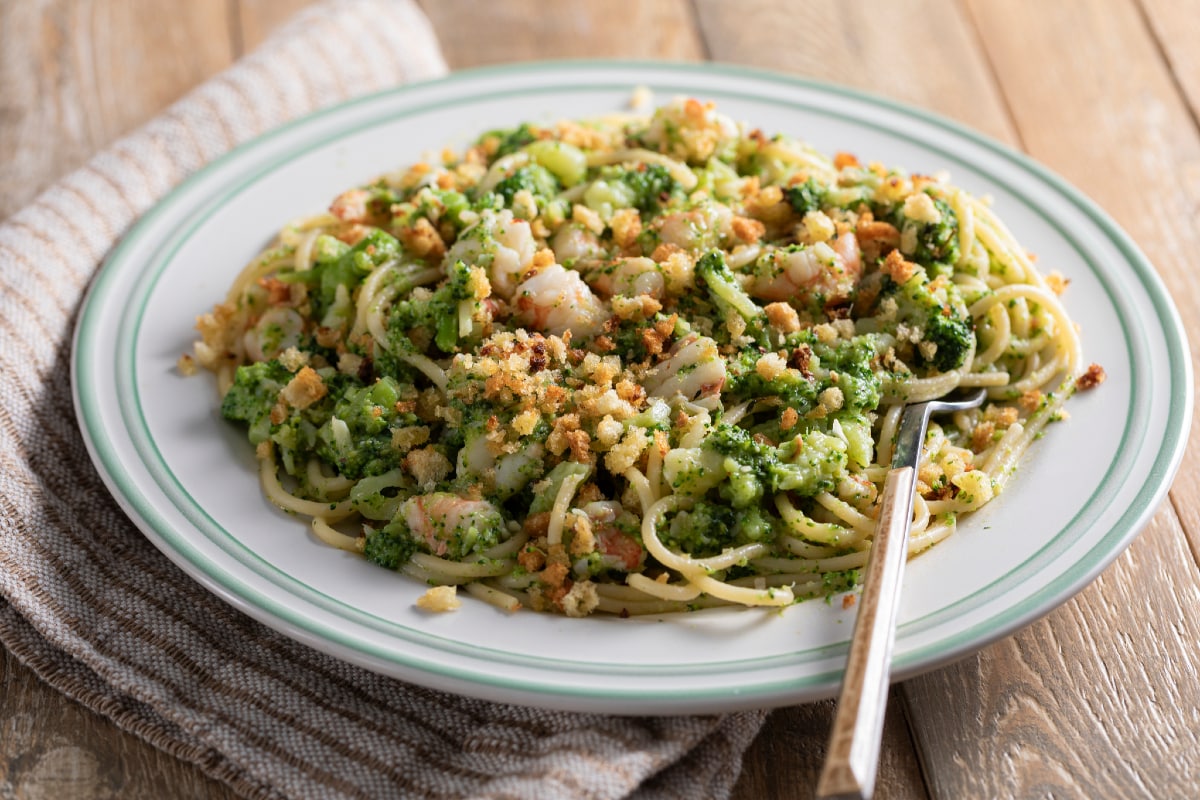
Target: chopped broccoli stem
(726, 293)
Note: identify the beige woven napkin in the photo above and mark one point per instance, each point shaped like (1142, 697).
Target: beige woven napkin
(104, 617)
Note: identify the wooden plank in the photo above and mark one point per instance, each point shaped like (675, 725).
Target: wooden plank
(74, 76)
(786, 758)
(1100, 698)
(55, 748)
(520, 30)
(922, 52)
(1176, 27)
(255, 19)
(1118, 129)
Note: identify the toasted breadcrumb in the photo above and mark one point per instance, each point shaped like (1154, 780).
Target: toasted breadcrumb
(428, 467)
(439, 599)
(304, 389)
(1090, 379)
(186, 365)
(783, 317)
(770, 366)
(587, 218)
(292, 359)
(581, 600)
(843, 160)
(748, 230)
(896, 268)
(626, 227)
(919, 207)
(1057, 282)
(1030, 400)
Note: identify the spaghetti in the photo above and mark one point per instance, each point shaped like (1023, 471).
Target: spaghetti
(636, 365)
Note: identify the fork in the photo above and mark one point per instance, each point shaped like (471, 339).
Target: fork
(852, 759)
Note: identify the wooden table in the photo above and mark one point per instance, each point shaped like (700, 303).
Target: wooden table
(1099, 699)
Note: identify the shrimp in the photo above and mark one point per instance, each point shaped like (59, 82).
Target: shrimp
(277, 330)
(619, 550)
(556, 300)
(630, 277)
(450, 525)
(501, 245)
(827, 275)
(694, 369)
(351, 206)
(699, 229)
(501, 474)
(575, 243)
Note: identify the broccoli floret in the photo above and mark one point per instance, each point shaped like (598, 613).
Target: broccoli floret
(255, 395)
(723, 288)
(805, 465)
(704, 530)
(806, 197)
(337, 265)
(391, 546)
(647, 187)
(254, 392)
(445, 318)
(652, 186)
(510, 140)
(357, 438)
(534, 177)
(953, 336)
(809, 464)
(935, 242)
(851, 360)
(708, 528)
(795, 388)
(943, 323)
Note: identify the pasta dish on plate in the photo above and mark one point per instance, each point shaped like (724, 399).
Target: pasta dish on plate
(637, 364)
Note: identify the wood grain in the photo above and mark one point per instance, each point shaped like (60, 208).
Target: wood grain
(786, 758)
(1176, 27)
(55, 749)
(923, 52)
(1119, 130)
(74, 76)
(1100, 698)
(255, 19)
(521, 30)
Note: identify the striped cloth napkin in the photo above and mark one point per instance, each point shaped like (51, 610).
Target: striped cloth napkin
(101, 615)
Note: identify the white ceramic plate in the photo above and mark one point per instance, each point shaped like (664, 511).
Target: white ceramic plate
(187, 478)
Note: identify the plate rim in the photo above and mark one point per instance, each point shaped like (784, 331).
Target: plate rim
(1099, 556)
